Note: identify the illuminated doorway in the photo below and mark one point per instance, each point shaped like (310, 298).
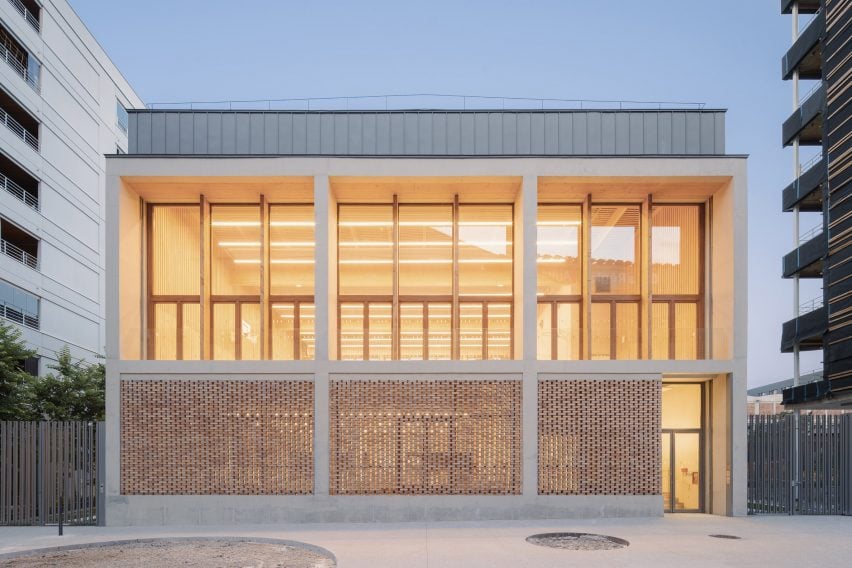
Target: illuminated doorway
(682, 447)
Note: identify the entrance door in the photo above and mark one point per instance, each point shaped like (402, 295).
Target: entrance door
(682, 475)
(682, 448)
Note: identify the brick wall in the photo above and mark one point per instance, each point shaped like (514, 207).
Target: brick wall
(599, 437)
(425, 437)
(217, 437)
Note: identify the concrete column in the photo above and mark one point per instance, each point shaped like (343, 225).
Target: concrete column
(528, 216)
(322, 230)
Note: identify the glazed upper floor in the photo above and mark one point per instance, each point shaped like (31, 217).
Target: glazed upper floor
(342, 259)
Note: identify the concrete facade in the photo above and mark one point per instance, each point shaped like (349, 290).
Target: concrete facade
(718, 181)
(68, 98)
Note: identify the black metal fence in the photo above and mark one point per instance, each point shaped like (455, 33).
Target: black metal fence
(805, 470)
(49, 471)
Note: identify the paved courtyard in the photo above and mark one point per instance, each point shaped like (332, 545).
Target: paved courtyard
(675, 540)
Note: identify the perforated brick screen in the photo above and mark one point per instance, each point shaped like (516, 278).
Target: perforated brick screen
(425, 437)
(599, 437)
(217, 437)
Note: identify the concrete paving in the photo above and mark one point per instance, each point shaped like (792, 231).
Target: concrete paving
(672, 541)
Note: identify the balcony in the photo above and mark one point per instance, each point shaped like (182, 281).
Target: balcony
(805, 55)
(18, 306)
(806, 190)
(14, 117)
(30, 11)
(806, 260)
(20, 60)
(805, 6)
(806, 121)
(18, 245)
(805, 330)
(18, 183)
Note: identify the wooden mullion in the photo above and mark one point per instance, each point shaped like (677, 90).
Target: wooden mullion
(206, 306)
(484, 309)
(179, 331)
(297, 331)
(395, 323)
(265, 280)
(365, 326)
(645, 291)
(455, 319)
(586, 278)
(424, 313)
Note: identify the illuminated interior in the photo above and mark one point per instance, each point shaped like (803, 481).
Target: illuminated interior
(681, 446)
(612, 297)
(407, 272)
(257, 255)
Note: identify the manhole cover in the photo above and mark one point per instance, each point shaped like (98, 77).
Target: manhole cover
(577, 541)
(730, 536)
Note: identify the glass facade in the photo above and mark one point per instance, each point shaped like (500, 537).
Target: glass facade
(258, 261)
(429, 281)
(601, 315)
(407, 272)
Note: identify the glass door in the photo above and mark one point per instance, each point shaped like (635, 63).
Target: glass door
(682, 473)
(682, 447)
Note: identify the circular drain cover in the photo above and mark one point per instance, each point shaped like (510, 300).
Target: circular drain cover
(730, 536)
(577, 541)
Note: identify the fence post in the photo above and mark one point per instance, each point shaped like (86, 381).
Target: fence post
(100, 456)
(39, 478)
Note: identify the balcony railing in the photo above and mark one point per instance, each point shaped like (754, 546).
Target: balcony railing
(17, 253)
(810, 92)
(19, 192)
(19, 68)
(810, 233)
(18, 316)
(811, 305)
(18, 129)
(31, 18)
(808, 164)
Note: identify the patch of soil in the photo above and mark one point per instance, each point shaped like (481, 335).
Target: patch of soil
(188, 554)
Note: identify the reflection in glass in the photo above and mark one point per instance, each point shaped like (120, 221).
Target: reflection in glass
(615, 249)
(558, 249)
(485, 250)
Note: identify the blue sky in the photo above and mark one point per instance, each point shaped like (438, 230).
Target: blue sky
(725, 53)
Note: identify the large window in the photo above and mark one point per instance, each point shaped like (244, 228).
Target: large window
(419, 281)
(595, 292)
(257, 263)
(677, 278)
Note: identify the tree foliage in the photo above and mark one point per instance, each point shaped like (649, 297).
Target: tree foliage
(15, 383)
(74, 390)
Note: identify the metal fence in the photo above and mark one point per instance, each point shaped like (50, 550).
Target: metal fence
(805, 470)
(48, 471)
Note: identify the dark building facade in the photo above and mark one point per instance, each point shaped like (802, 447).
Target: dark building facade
(821, 51)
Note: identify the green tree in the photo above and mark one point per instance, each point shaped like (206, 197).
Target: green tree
(15, 383)
(74, 391)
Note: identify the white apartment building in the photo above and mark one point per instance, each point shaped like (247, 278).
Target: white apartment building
(62, 108)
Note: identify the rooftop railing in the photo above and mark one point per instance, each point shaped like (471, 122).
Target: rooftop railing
(17, 253)
(421, 101)
(18, 129)
(31, 18)
(19, 192)
(19, 68)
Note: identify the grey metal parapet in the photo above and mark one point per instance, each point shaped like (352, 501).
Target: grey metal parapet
(428, 132)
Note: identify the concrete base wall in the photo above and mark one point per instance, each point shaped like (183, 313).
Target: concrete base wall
(219, 510)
